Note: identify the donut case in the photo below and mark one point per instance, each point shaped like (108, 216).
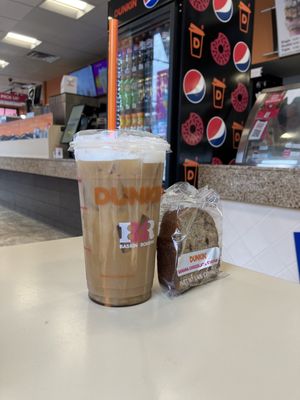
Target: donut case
(271, 137)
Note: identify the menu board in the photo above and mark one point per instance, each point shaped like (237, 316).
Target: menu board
(85, 81)
(100, 76)
(288, 26)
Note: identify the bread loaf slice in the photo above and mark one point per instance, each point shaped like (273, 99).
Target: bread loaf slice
(185, 231)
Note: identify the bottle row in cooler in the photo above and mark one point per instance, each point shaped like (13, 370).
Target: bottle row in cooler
(143, 121)
(135, 94)
(135, 54)
(136, 63)
(140, 95)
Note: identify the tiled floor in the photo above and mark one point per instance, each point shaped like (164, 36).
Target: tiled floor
(16, 228)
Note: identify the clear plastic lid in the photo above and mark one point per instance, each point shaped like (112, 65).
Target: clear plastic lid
(107, 145)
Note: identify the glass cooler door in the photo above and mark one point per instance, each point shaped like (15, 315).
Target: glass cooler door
(143, 78)
(272, 134)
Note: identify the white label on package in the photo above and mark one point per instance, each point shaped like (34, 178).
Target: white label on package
(197, 260)
(258, 130)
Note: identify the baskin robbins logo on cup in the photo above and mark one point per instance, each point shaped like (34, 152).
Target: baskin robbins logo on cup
(241, 57)
(216, 132)
(223, 10)
(136, 234)
(194, 86)
(150, 3)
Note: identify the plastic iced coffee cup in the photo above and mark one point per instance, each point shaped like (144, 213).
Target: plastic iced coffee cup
(120, 179)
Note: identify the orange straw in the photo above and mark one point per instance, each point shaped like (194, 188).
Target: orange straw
(112, 73)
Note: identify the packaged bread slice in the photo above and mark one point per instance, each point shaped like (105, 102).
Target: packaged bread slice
(188, 248)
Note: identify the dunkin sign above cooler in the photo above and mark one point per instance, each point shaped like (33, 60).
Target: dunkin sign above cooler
(128, 10)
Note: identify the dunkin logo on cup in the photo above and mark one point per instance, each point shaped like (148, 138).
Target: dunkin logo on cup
(127, 196)
(136, 234)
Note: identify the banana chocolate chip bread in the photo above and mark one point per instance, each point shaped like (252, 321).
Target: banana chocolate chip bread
(188, 249)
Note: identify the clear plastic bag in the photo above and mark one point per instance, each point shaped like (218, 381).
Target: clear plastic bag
(190, 237)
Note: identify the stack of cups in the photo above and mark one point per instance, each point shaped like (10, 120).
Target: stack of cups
(120, 179)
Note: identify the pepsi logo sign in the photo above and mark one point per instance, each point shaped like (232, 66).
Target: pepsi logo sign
(194, 86)
(216, 132)
(241, 57)
(223, 10)
(150, 3)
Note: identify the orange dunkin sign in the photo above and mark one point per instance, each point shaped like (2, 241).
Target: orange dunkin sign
(130, 5)
(219, 88)
(237, 130)
(191, 172)
(244, 14)
(128, 196)
(196, 40)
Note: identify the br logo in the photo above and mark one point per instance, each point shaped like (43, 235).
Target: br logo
(136, 234)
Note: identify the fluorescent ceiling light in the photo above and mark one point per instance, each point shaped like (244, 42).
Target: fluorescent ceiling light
(3, 63)
(21, 40)
(69, 8)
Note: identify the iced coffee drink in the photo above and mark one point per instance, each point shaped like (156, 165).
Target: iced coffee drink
(120, 179)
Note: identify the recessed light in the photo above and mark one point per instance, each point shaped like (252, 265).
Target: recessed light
(17, 39)
(69, 8)
(3, 64)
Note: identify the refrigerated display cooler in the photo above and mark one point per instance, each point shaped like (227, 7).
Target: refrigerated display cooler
(183, 74)
(271, 137)
(145, 57)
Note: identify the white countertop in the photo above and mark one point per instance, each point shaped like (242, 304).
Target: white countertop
(234, 339)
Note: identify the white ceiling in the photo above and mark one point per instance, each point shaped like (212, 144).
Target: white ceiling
(77, 42)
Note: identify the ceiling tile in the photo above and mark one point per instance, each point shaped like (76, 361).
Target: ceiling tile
(7, 24)
(30, 2)
(11, 9)
(98, 2)
(98, 16)
(77, 42)
(12, 51)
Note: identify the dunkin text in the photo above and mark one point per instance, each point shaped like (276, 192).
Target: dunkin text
(128, 196)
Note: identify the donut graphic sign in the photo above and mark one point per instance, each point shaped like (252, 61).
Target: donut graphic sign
(192, 129)
(241, 57)
(194, 86)
(216, 132)
(223, 10)
(199, 5)
(220, 49)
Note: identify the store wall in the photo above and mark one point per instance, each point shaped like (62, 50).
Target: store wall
(52, 88)
(263, 33)
(261, 238)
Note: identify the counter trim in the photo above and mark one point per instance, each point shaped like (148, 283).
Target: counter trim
(47, 167)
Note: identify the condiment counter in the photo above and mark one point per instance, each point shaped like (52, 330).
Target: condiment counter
(44, 189)
(58, 168)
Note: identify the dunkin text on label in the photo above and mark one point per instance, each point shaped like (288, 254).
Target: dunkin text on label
(197, 260)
